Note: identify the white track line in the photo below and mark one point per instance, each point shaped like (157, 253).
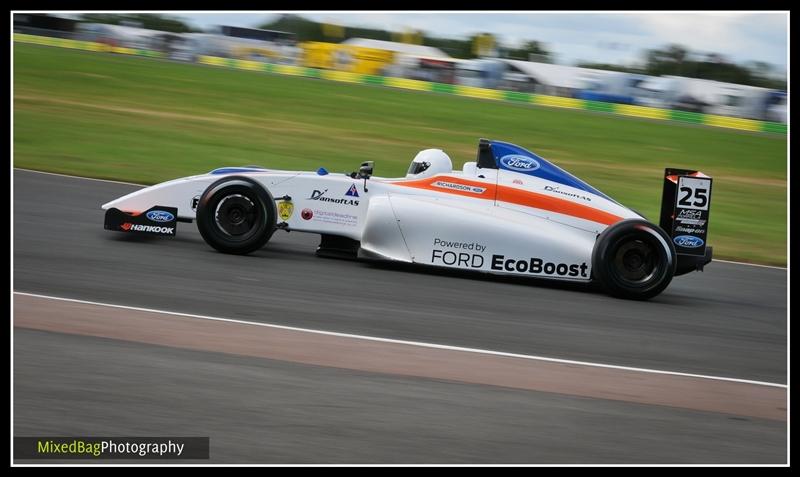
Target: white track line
(750, 264)
(78, 177)
(142, 185)
(409, 343)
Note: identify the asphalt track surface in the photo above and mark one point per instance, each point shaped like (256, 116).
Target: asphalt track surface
(728, 321)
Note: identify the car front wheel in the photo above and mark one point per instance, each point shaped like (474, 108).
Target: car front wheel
(236, 215)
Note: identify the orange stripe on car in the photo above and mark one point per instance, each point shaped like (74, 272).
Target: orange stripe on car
(481, 190)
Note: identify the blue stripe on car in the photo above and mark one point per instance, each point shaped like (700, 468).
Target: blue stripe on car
(537, 166)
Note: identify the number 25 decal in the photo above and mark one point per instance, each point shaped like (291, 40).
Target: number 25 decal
(699, 195)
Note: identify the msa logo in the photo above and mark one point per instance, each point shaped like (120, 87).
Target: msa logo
(160, 216)
(461, 187)
(691, 217)
(516, 162)
(352, 192)
(690, 214)
(688, 241)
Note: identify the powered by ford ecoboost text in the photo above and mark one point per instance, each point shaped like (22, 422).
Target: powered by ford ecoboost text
(509, 212)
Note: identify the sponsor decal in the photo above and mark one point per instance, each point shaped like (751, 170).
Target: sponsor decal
(156, 229)
(516, 162)
(320, 196)
(285, 210)
(533, 265)
(697, 223)
(688, 241)
(335, 218)
(461, 187)
(460, 259)
(690, 214)
(691, 217)
(160, 216)
(461, 245)
(193, 203)
(352, 191)
(517, 181)
(690, 230)
(568, 194)
(307, 214)
(538, 266)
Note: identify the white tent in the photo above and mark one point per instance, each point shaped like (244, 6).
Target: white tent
(401, 48)
(557, 79)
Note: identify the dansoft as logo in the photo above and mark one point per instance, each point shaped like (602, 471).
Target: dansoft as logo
(516, 162)
(688, 241)
(160, 216)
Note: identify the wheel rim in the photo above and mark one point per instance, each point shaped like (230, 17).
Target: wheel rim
(237, 216)
(636, 262)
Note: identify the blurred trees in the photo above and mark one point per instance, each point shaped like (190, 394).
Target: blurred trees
(530, 51)
(677, 60)
(309, 30)
(673, 59)
(142, 20)
(610, 67)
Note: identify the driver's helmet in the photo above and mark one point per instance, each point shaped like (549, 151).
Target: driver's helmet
(428, 163)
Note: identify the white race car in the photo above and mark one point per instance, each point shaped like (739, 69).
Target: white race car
(510, 212)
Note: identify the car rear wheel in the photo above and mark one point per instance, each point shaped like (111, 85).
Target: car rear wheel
(634, 259)
(236, 215)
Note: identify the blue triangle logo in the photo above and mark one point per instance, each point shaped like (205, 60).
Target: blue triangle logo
(353, 192)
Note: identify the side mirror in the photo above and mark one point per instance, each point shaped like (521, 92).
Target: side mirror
(365, 171)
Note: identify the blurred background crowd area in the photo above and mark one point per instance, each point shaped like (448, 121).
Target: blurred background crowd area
(671, 77)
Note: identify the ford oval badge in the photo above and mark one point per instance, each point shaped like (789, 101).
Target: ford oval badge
(688, 241)
(160, 216)
(520, 163)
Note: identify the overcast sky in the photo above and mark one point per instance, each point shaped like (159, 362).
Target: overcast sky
(597, 37)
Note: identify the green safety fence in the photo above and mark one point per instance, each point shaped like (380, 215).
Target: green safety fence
(417, 85)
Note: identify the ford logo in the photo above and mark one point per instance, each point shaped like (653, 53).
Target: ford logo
(160, 216)
(516, 162)
(688, 241)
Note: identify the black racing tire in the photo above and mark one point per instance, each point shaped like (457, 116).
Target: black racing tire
(634, 259)
(236, 215)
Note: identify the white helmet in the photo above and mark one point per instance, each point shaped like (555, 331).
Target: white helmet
(428, 163)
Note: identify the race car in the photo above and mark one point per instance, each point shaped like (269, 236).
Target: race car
(509, 212)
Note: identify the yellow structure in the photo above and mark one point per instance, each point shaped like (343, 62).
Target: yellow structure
(353, 59)
(251, 52)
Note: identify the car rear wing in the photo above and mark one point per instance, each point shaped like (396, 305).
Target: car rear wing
(685, 207)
